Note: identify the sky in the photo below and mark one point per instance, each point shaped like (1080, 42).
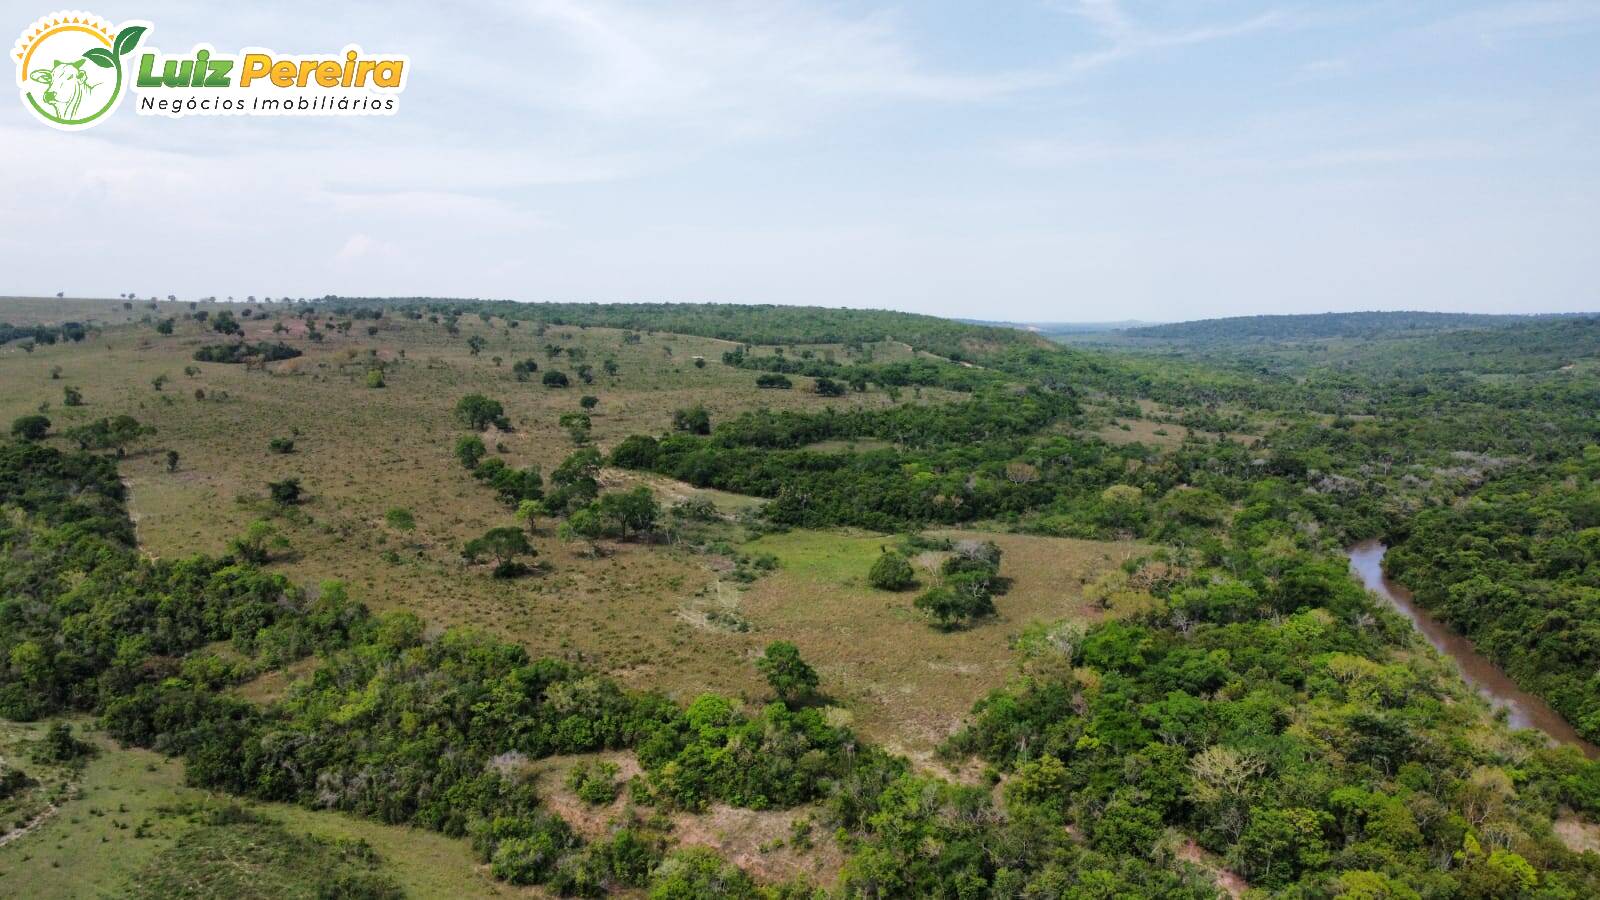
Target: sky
(1035, 160)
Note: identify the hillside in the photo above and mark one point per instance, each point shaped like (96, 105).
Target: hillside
(455, 598)
(1320, 326)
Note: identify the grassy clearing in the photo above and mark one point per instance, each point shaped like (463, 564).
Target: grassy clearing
(907, 685)
(119, 817)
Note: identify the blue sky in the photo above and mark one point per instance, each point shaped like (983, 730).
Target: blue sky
(1043, 160)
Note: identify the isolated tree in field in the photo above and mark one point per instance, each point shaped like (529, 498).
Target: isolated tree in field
(375, 378)
(470, 450)
(71, 396)
(505, 544)
(589, 401)
(30, 428)
(791, 677)
(694, 420)
(609, 367)
(555, 379)
(165, 326)
(479, 412)
(586, 373)
(892, 572)
(172, 460)
(523, 369)
(475, 345)
(287, 492)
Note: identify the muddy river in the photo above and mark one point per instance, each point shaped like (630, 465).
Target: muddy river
(1523, 710)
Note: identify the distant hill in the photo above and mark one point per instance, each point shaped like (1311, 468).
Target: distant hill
(1322, 326)
(1054, 328)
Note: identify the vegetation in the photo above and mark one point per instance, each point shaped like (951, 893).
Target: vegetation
(790, 677)
(1225, 701)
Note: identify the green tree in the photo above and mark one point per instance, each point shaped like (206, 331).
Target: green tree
(260, 538)
(479, 412)
(172, 460)
(892, 572)
(470, 450)
(555, 379)
(505, 544)
(30, 428)
(694, 420)
(790, 677)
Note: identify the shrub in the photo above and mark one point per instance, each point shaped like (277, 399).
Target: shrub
(774, 381)
(30, 428)
(827, 387)
(281, 445)
(400, 518)
(286, 492)
(694, 420)
(555, 379)
(892, 572)
(595, 783)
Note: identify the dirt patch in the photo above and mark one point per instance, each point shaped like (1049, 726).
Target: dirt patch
(1230, 883)
(758, 841)
(1578, 835)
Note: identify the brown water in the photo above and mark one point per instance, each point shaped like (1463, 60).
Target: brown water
(1523, 710)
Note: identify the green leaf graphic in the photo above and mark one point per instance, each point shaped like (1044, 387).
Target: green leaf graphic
(100, 56)
(128, 38)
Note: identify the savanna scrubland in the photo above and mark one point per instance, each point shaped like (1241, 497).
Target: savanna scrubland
(419, 597)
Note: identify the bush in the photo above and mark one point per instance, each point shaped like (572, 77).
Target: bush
(59, 746)
(30, 428)
(555, 379)
(827, 387)
(694, 420)
(595, 783)
(281, 445)
(774, 381)
(400, 518)
(892, 572)
(286, 492)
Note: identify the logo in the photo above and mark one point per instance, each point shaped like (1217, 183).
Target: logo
(74, 67)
